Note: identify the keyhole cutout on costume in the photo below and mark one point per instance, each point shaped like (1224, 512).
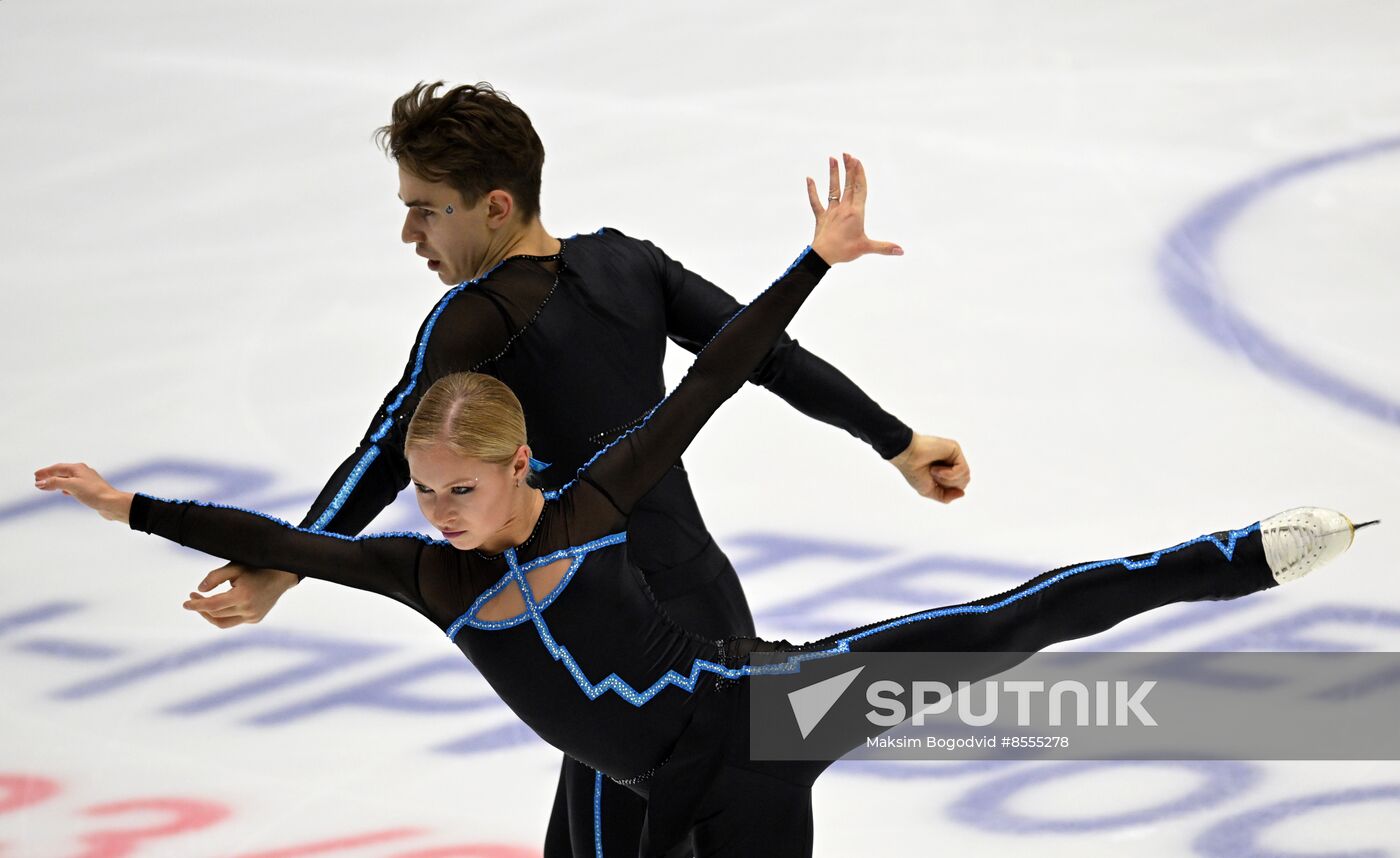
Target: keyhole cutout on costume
(510, 602)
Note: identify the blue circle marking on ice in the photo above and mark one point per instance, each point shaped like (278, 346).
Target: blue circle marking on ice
(1245, 835)
(1189, 271)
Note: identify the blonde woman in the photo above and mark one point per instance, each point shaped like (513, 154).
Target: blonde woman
(537, 590)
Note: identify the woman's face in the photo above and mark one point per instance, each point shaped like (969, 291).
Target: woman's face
(467, 499)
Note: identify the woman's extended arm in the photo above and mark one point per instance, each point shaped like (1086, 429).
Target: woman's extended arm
(625, 470)
(387, 565)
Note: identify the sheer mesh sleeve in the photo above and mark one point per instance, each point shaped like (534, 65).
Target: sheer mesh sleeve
(386, 564)
(626, 470)
(472, 325)
(695, 310)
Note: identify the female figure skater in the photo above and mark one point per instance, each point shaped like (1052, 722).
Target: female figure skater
(537, 590)
(578, 329)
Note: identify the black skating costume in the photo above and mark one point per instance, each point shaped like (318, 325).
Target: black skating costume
(580, 338)
(597, 668)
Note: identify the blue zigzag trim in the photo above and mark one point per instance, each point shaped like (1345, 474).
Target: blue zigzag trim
(801, 256)
(422, 537)
(793, 663)
(843, 645)
(372, 453)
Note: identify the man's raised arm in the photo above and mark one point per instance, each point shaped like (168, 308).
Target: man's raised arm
(696, 309)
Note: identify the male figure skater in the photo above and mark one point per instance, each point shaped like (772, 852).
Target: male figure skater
(577, 328)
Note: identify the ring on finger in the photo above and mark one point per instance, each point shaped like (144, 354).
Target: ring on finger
(831, 198)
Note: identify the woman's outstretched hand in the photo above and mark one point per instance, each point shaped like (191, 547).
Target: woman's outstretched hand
(840, 235)
(88, 487)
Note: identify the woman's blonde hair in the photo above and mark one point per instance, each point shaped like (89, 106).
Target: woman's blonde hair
(473, 414)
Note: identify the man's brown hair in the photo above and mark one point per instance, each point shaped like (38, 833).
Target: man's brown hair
(470, 137)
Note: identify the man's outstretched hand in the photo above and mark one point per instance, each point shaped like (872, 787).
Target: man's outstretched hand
(935, 467)
(252, 594)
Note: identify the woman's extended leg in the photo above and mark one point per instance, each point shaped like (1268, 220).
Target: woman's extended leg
(1087, 598)
(763, 807)
(1076, 601)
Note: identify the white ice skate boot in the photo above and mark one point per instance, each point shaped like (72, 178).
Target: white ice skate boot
(1297, 541)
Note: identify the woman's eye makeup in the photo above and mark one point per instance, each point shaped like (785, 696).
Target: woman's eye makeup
(456, 490)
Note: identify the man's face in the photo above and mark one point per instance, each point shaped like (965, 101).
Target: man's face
(451, 236)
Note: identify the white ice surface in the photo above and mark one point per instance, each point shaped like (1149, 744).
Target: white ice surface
(200, 262)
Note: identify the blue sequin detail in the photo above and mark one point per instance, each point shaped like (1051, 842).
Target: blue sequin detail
(843, 645)
(560, 653)
(798, 261)
(344, 494)
(793, 663)
(396, 534)
(516, 575)
(598, 814)
(372, 453)
(470, 619)
(536, 465)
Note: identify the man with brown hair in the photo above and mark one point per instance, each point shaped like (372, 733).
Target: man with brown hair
(577, 328)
